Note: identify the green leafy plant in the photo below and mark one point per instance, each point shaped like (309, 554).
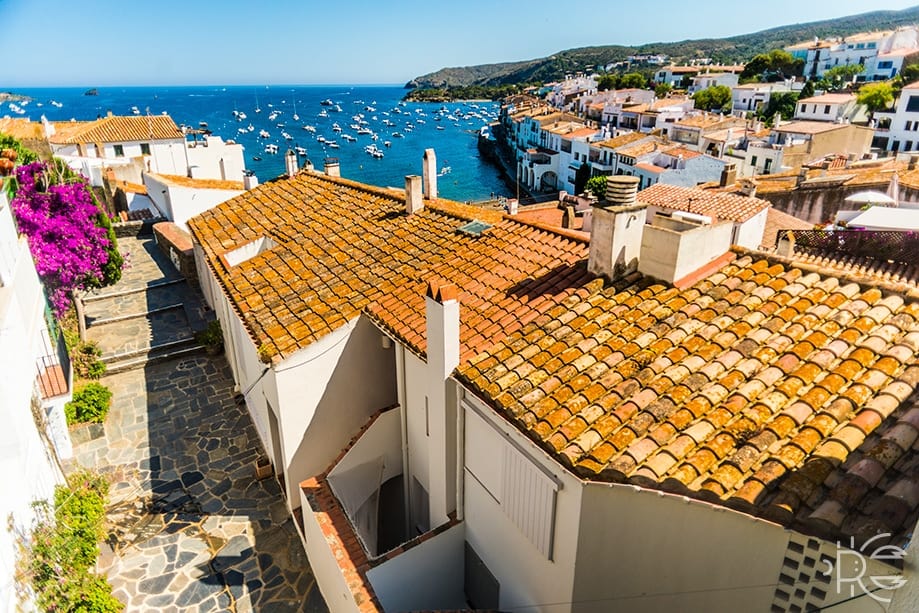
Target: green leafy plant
(64, 546)
(85, 359)
(597, 186)
(90, 404)
(211, 336)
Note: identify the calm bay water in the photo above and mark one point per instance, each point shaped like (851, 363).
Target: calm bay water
(449, 128)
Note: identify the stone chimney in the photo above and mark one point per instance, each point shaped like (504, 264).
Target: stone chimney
(442, 331)
(728, 175)
(308, 165)
(776, 120)
(429, 174)
(616, 228)
(331, 167)
(748, 187)
(47, 127)
(249, 180)
(290, 162)
(413, 199)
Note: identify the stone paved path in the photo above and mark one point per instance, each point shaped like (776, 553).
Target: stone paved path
(191, 528)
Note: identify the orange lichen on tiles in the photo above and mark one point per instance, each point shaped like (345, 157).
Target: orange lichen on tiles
(766, 409)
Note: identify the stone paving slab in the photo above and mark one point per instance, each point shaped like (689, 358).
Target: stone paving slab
(141, 333)
(191, 529)
(144, 264)
(137, 302)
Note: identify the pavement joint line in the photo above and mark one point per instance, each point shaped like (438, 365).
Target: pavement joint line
(125, 365)
(139, 352)
(133, 290)
(110, 320)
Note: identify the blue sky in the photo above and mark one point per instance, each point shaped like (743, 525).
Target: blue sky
(171, 42)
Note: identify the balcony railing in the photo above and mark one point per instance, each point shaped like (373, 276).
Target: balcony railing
(53, 366)
(879, 245)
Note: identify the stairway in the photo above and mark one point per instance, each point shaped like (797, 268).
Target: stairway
(150, 315)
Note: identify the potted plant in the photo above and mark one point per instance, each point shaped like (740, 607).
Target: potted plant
(211, 337)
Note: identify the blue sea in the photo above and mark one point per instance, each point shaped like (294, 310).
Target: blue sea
(230, 112)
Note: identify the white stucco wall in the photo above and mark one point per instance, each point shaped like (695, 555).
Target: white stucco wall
(528, 579)
(29, 471)
(326, 392)
(417, 422)
(749, 234)
(670, 249)
(215, 159)
(426, 577)
(179, 203)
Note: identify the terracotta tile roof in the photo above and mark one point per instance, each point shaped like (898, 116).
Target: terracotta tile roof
(343, 248)
(828, 99)
(624, 139)
(778, 220)
(640, 148)
(705, 202)
(180, 181)
(680, 150)
(650, 168)
(810, 127)
(21, 128)
(786, 394)
(116, 129)
(709, 120)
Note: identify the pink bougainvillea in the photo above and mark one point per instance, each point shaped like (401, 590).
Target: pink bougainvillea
(60, 222)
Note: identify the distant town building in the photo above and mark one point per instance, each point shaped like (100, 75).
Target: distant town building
(882, 54)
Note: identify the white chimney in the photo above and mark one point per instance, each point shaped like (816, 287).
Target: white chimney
(616, 227)
(331, 167)
(47, 127)
(443, 354)
(413, 199)
(290, 162)
(429, 174)
(249, 180)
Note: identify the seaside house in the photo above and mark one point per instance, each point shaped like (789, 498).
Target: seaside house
(179, 198)
(681, 76)
(722, 419)
(795, 143)
(35, 386)
(882, 53)
(754, 96)
(603, 155)
(838, 108)
(135, 144)
(691, 129)
(711, 79)
(898, 129)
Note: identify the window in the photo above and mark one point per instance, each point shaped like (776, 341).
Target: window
(908, 146)
(119, 151)
(753, 161)
(909, 125)
(826, 110)
(872, 45)
(887, 64)
(766, 167)
(145, 148)
(912, 105)
(803, 108)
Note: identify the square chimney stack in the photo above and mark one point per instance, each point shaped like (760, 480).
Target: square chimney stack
(617, 223)
(429, 174)
(413, 198)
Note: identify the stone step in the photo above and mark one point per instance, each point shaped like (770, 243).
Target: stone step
(137, 334)
(146, 351)
(101, 321)
(162, 282)
(160, 353)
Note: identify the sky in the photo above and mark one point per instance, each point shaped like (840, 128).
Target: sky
(227, 42)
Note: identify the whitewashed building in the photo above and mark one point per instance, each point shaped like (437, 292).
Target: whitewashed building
(35, 385)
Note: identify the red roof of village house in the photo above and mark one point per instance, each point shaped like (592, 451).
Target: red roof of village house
(705, 202)
(343, 248)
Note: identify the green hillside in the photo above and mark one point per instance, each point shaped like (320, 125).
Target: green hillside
(731, 50)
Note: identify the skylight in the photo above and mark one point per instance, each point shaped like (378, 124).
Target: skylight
(474, 228)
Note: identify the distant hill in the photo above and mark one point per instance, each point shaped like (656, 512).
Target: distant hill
(721, 50)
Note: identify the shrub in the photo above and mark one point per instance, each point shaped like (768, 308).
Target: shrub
(85, 359)
(212, 335)
(90, 404)
(64, 549)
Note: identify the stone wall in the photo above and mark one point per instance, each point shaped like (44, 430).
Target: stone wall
(176, 244)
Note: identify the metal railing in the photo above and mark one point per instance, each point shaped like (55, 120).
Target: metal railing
(53, 366)
(879, 245)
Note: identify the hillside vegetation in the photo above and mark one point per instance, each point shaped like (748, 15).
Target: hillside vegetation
(731, 50)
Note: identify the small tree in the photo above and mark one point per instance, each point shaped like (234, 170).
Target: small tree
(875, 96)
(632, 80)
(608, 81)
(807, 91)
(783, 103)
(597, 187)
(714, 97)
(662, 89)
(838, 77)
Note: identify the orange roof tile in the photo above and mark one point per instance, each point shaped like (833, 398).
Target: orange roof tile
(21, 128)
(180, 181)
(624, 139)
(705, 202)
(343, 248)
(765, 387)
(117, 129)
(777, 220)
(641, 148)
(828, 99)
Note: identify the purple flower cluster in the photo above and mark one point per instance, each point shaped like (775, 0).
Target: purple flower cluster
(60, 222)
